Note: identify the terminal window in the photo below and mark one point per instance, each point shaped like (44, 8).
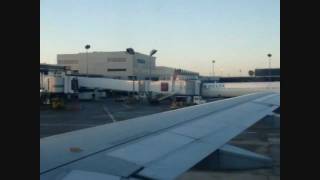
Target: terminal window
(117, 59)
(112, 70)
(141, 61)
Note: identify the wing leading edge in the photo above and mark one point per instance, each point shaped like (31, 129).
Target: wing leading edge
(159, 146)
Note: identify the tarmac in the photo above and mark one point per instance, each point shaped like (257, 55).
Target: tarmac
(93, 113)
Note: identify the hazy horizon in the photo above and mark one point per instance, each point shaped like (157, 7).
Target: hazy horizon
(188, 34)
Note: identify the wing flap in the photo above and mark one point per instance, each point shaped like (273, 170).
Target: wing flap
(85, 175)
(99, 163)
(177, 162)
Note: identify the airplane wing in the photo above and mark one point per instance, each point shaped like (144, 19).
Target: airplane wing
(158, 146)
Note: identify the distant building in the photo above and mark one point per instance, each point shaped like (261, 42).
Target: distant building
(121, 65)
(265, 72)
(249, 79)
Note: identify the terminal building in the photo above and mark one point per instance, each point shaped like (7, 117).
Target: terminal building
(275, 72)
(260, 75)
(121, 65)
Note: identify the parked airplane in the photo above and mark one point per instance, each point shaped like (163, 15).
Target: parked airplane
(237, 88)
(158, 146)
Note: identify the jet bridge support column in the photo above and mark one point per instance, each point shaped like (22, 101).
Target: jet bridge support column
(229, 157)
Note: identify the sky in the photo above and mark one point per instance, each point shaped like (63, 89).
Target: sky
(188, 34)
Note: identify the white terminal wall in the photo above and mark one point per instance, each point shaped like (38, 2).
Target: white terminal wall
(99, 63)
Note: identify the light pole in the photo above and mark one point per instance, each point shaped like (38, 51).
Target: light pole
(213, 61)
(269, 57)
(152, 52)
(132, 52)
(87, 47)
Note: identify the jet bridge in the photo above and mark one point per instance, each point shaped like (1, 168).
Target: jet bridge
(109, 84)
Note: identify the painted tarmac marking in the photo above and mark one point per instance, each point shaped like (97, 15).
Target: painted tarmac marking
(126, 106)
(109, 114)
